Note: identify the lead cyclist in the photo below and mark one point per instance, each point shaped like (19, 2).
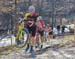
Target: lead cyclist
(31, 26)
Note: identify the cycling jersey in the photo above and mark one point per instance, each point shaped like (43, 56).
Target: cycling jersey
(32, 20)
(41, 26)
(30, 24)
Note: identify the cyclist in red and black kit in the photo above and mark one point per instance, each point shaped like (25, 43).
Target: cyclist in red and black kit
(31, 26)
(41, 26)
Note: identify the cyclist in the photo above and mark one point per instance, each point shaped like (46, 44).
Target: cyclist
(41, 25)
(31, 20)
(50, 36)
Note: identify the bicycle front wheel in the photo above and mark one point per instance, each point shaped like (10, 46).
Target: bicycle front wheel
(23, 41)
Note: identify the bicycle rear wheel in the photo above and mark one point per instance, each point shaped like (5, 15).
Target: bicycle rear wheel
(20, 43)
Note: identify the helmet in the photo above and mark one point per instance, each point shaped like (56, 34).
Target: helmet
(39, 18)
(27, 15)
(31, 9)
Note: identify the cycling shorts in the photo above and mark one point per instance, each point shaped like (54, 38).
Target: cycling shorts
(32, 30)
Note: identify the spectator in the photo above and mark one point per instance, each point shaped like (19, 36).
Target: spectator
(50, 32)
(63, 29)
(46, 33)
(58, 29)
(55, 32)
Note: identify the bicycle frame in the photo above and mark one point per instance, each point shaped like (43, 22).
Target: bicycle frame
(20, 29)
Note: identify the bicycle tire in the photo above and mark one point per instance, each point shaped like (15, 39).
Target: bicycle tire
(23, 44)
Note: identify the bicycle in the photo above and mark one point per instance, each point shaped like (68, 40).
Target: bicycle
(22, 35)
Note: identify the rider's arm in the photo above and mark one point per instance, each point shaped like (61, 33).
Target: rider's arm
(31, 24)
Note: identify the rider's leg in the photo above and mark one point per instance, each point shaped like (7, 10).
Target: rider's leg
(27, 48)
(32, 44)
(46, 36)
(42, 38)
(33, 38)
(28, 43)
(37, 40)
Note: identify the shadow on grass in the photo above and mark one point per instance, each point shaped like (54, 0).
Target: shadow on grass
(41, 51)
(53, 47)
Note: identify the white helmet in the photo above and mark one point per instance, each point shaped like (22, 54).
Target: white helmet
(39, 18)
(31, 9)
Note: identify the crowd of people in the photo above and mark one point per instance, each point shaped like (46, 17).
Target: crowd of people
(39, 31)
(35, 24)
